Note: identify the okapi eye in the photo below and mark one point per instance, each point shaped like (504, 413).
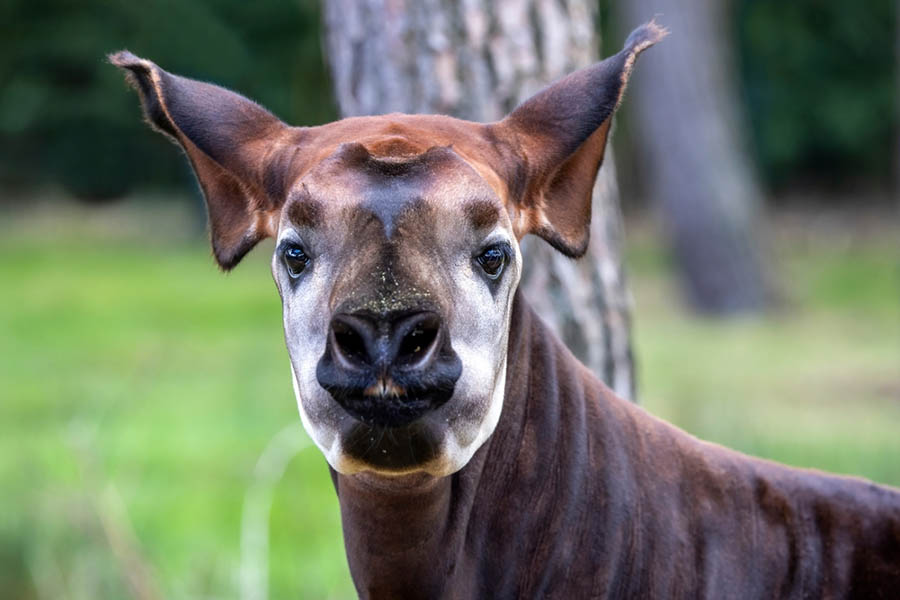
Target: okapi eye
(492, 260)
(296, 260)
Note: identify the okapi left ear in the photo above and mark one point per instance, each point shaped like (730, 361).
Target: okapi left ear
(559, 137)
(243, 155)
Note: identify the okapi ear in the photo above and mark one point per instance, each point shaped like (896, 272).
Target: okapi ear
(240, 152)
(559, 137)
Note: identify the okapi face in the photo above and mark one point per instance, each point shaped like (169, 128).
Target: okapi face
(397, 252)
(397, 265)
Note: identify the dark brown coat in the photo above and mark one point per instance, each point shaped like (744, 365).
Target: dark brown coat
(580, 494)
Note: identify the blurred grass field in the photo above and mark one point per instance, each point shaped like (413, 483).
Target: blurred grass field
(131, 369)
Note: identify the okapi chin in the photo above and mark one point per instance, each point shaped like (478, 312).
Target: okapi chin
(473, 456)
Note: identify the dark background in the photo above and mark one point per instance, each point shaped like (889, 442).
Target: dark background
(817, 78)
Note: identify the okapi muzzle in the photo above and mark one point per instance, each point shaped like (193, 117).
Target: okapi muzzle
(388, 357)
(388, 369)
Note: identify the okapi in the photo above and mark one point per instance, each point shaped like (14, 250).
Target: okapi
(473, 456)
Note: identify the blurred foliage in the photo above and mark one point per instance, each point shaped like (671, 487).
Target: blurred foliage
(820, 83)
(66, 117)
(818, 77)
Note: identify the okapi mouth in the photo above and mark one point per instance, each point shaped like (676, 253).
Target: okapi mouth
(393, 448)
(389, 411)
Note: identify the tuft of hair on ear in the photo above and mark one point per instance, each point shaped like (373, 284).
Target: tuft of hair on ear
(126, 60)
(645, 36)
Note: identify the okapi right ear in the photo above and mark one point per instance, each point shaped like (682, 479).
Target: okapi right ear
(242, 155)
(558, 137)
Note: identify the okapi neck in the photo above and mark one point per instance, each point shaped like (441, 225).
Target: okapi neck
(407, 541)
(427, 539)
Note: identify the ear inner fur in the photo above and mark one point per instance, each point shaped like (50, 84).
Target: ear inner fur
(569, 230)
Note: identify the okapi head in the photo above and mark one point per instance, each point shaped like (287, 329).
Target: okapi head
(397, 245)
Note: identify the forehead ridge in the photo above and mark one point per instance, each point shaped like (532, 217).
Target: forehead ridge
(392, 176)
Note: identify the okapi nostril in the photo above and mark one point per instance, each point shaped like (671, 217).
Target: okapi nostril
(418, 341)
(349, 343)
(388, 370)
(360, 342)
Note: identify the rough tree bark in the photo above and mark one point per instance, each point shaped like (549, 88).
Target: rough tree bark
(692, 155)
(477, 59)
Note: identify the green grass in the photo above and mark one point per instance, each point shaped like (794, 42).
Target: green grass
(131, 360)
(127, 360)
(815, 383)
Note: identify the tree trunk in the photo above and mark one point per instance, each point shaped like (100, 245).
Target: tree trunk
(477, 59)
(692, 154)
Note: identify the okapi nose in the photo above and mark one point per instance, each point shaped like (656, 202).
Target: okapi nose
(389, 370)
(407, 341)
